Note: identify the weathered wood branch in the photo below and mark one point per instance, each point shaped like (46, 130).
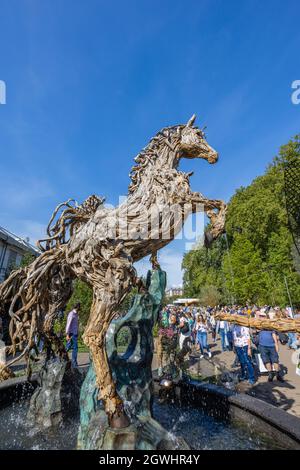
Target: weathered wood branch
(283, 325)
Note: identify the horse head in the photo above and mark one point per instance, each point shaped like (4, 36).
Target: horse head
(193, 143)
(167, 147)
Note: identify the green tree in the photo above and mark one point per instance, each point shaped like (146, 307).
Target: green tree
(244, 272)
(27, 259)
(127, 302)
(259, 260)
(209, 295)
(203, 267)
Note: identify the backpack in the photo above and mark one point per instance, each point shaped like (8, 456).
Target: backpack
(283, 338)
(255, 339)
(185, 328)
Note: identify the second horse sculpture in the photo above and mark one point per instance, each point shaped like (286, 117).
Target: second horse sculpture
(99, 245)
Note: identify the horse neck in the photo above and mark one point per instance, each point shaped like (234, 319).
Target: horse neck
(150, 186)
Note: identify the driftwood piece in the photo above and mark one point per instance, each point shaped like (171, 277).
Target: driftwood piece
(282, 325)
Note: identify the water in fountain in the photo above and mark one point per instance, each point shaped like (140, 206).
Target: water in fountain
(198, 429)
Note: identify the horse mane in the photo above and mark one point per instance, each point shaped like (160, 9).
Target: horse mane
(66, 219)
(150, 153)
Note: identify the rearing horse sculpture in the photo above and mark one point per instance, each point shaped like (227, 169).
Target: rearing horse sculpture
(104, 243)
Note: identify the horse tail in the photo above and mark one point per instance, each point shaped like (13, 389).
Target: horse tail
(34, 295)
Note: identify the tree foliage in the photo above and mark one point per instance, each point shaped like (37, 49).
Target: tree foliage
(209, 295)
(254, 261)
(27, 259)
(83, 294)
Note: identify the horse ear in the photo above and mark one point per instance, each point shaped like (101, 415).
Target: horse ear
(191, 121)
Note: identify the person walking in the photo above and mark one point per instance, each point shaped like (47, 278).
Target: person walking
(72, 333)
(201, 328)
(242, 346)
(222, 328)
(269, 347)
(292, 342)
(185, 332)
(191, 321)
(213, 325)
(166, 341)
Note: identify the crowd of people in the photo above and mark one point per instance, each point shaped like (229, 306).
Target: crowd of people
(184, 329)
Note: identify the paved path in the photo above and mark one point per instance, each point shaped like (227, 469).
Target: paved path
(19, 367)
(284, 395)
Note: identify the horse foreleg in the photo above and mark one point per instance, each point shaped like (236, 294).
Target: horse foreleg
(217, 219)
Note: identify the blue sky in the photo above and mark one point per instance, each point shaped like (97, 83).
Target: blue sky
(88, 84)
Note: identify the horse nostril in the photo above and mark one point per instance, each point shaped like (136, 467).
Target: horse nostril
(213, 157)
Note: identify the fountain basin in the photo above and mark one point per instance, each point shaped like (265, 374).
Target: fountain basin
(205, 415)
(245, 412)
(199, 430)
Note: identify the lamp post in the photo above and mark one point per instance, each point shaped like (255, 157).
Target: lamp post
(292, 201)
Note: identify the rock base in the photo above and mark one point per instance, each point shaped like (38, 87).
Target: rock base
(57, 396)
(144, 434)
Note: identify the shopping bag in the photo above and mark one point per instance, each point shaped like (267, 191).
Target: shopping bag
(260, 363)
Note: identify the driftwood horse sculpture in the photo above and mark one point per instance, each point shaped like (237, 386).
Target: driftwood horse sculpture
(99, 245)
